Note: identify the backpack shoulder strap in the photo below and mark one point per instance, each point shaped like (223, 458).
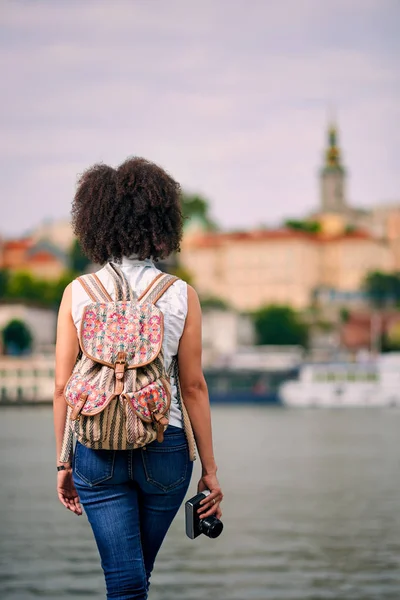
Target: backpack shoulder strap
(149, 287)
(94, 288)
(157, 288)
(123, 290)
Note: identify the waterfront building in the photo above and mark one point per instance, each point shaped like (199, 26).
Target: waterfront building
(27, 379)
(224, 332)
(286, 266)
(251, 269)
(40, 258)
(381, 221)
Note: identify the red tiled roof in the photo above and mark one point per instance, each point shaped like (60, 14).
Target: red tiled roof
(218, 239)
(42, 257)
(23, 244)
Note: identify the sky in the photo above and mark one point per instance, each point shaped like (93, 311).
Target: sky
(232, 97)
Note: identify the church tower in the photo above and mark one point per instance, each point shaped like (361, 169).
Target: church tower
(333, 175)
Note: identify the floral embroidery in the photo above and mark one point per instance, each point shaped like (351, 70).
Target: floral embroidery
(77, 386)
(109, 328)
(139, 400)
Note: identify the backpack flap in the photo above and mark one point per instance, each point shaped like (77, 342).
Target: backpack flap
(109, 329)
(151, 403)
(84, 396)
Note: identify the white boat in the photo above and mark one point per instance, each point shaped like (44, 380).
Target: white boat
(373, 383)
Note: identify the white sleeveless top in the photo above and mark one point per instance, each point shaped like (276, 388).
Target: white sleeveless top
(173, 305)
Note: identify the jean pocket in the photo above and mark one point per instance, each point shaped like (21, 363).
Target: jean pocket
(93, 466)
(166, 465)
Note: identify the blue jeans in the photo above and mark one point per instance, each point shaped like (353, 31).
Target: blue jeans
(130, 498)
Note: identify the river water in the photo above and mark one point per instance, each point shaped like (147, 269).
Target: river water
(311, 512)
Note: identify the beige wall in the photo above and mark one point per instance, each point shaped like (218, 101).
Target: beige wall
(395, 249)
(46, 270)
(249, 273)
(13, 258)
(348, 260)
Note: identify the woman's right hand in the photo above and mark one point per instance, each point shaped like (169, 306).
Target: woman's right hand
(211, 504)
(66, 491)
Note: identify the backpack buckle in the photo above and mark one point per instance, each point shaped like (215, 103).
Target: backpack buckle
(121, 358)
(119, 369)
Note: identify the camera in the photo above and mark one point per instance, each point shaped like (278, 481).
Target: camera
(210, 526)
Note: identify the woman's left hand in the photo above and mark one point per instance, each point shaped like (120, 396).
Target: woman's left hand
(211, 504)
(66, 491)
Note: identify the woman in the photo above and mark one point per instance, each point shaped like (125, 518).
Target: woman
(132, 216)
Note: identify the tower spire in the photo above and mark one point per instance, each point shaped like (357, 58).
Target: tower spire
(332, 153)
(333, 175)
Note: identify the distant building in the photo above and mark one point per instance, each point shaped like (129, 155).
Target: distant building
(254, 268)
(333, 176)
(224, 332)
(364, 330)
(381, 221)
(41, 258)
(27, 379)
(294, 267)
(58, 233)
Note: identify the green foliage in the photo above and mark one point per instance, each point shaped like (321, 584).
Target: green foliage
(58, 287)
(182, 273)
(279, 325)
(21, 286)
(4, 279)
(344, 314)
(325, 326)
(17, 337)
(213, 302)
(194, 206)
(306, 226)
(383, 289)
(77, 260)
(389, 344)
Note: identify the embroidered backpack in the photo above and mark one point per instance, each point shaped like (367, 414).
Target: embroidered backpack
(119, 392)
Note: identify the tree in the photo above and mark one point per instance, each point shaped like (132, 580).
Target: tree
(279, 325)
(195, 206)
(390, 340)
(57, 288)
(17, 337)
(382, 289)
(182, 273)
(23, 286)
(344, 314)
(4, 279)
(77, 260)
(213, 302)
(306, 226)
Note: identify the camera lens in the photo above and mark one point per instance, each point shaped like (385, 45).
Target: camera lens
(211, 527)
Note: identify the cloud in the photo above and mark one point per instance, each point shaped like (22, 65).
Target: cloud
(231, 97)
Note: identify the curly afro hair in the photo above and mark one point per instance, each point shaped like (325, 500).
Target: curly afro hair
(134, 209)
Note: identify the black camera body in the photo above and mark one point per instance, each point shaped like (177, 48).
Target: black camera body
(210, 526)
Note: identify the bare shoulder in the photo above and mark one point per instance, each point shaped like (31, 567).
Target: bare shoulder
(66, 302)
(193, 297)
(67, 295)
